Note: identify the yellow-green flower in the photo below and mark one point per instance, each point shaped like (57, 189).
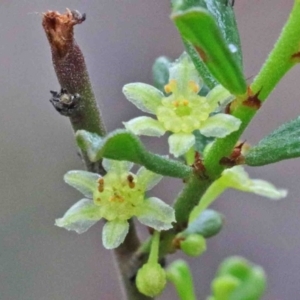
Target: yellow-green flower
(181, 112)
(115, 197)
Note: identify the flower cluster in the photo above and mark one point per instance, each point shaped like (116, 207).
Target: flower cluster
(182, 111)
(115, 197)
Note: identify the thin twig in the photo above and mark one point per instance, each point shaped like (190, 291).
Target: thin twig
(77, 101)
(71, 72)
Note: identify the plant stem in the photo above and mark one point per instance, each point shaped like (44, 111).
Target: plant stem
(70, 68)
(71, 71)
(276, 66)
(189, 198)
(280, 60)
(153, 258)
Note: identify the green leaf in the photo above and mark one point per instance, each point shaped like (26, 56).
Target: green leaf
(181, 5)
(180, 275)
(160, 72)
(224, 15)
(211, 47)
(123, 145)
(283, 143)
(207, 224)
(200, 66)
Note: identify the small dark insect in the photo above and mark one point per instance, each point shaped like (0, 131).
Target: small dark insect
(64, 102)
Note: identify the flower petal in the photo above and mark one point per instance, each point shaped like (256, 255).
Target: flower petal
(156, 214)
(145, 126)
(238, 178)
(114, 233)
(80, 217)
(183, 71)
(266, 189)
(116, 166)
(144, 96)
(219, 96)
(220, 125)
(147, 178)
(85, 182)
(235, 177)
(180, 143)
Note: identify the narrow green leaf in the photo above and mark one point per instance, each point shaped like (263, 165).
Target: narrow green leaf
(283, 143)
(181, 5)
(208, 224)
(198, 26)
(180, 275)
(224, 15)
(200, 66)
(123, 145)
(160, 72)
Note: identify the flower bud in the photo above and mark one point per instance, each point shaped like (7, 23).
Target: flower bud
(224, 286)
(236, 266)
(193, 245)
(151, 279)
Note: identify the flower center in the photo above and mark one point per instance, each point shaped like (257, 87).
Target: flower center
(183, 110)
(118, 195)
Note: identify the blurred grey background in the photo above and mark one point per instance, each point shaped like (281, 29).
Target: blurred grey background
(120, 40)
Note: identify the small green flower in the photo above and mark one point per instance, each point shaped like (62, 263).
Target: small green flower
(115, 197)
(236, 178)
(183, 111)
